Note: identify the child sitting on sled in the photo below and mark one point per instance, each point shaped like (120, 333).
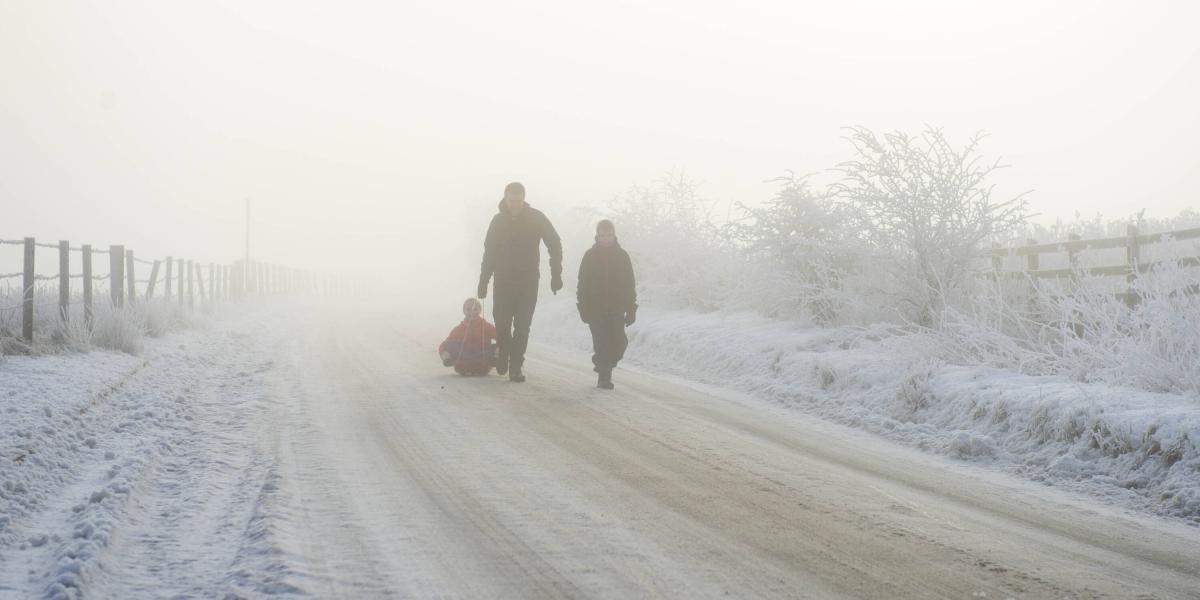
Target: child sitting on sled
(470, 348)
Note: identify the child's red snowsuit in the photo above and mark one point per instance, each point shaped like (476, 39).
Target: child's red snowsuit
(471, 347)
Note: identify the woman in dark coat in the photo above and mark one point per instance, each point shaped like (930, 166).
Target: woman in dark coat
(607, 300)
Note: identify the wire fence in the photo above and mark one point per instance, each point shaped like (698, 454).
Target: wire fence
(183, 281)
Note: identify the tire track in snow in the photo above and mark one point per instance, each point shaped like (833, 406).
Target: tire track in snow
(161, 502)
(190, 525)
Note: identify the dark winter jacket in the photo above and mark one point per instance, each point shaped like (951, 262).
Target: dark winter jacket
(510, 250)
(606, 283)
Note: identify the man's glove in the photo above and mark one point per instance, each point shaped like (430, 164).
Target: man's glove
(556, 283)
(482, 291)
(630, 317)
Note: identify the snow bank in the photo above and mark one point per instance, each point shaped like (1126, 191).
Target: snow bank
(1127, 447)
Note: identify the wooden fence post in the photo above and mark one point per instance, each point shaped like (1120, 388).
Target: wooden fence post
(167, 279)
(1073, 258)
(130, 277)
(1133, 254)
(64, 280)
(181, 278)
(200, 281)
(28, 280)
(212, 282)
(88, 315)
(191, 298)
(153, 280)
(1030, 267)
(116, 275)
(1073, 262)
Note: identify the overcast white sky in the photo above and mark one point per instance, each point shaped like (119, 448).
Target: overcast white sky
(382, 133)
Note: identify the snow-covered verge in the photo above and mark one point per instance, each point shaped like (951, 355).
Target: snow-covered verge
(122, 472)
(1127, 447)
(122, 329)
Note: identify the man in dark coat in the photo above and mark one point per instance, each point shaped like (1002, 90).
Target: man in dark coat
(510, 252)
(607, 299)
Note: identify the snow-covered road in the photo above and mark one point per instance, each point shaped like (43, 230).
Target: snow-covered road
(336, 458)
(400, 479)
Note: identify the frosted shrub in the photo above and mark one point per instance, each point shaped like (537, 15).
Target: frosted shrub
(1086, 332)
(928, 205)
(1154, 345)
(804, 239)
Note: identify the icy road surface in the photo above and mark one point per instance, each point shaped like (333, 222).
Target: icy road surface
(340, 460)
(405, 480)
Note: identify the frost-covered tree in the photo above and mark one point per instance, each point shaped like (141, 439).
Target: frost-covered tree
(927, 203)
(678, 256)
(804, 233)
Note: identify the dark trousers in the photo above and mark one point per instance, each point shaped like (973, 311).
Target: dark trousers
(513, 310)
(608, 341)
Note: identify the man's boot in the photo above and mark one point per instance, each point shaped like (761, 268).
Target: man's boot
(501, 363)
(515, 375)
(605, 381)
